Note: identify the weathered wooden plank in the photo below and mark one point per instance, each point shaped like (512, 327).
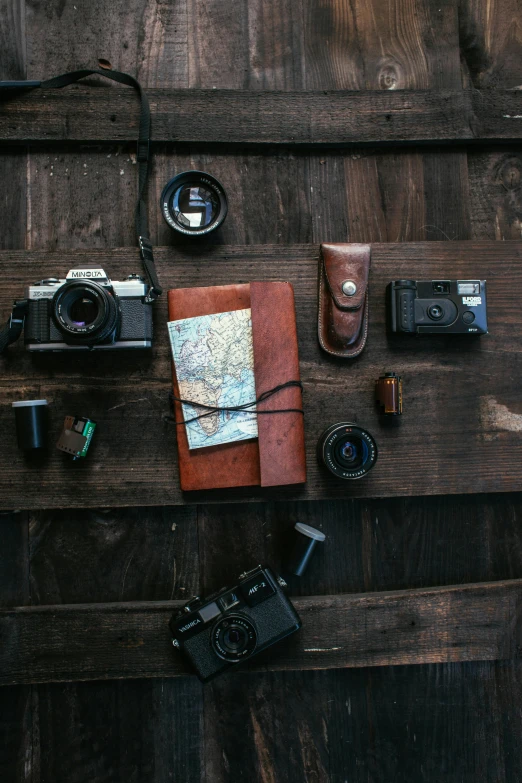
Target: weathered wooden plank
(490, 42)
(92, 114)
(118, 641)
(469, 389)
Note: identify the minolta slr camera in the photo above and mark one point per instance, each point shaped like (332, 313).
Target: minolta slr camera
(88, 311)
(437, 306)
(235, 623)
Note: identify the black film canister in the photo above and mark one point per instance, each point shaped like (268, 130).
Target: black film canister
(306, 539)
(31, 424)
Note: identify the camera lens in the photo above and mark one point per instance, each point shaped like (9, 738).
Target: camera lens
(194, 203)
(435, 312)
(348, 451)
(85, 312)
(351, 453)
(234, 638)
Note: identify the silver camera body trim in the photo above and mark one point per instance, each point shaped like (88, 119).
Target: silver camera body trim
(134, 287)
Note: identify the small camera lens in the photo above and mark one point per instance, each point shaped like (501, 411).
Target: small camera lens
(348, 451)
(85, 312)
(435, 312)
(351, 453)
(234, 638)
(194, 203)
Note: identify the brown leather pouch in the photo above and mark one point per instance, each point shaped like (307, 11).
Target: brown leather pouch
(343, 298)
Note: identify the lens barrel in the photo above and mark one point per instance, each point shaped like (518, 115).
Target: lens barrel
(234, 638)
(194, 203)
(85, 312)
(348, 451)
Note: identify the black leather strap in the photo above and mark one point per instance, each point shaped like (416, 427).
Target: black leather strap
(13, 328)
(9, 90)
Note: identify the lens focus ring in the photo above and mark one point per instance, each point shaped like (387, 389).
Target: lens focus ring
(348, 451)
(97, 308)
(234, 638)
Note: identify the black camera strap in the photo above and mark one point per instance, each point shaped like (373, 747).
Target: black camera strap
(13, 328)
(9, 90)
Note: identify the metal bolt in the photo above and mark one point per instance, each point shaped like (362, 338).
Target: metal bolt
(349, 288)
(281, 582)
(175, 643)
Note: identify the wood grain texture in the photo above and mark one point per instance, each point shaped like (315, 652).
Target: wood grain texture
(483, 433)
(126, 640)
(121, 555)
(335, 118)
(13, 167)
(490, 42)
(115, 731)
(18, 716)
(452, 722)
(18, 721)
(386, 544)
(457, 722)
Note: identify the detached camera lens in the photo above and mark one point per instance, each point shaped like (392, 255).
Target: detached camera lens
(435, 312)
(194, 203)
(348, 451)
(234, 638)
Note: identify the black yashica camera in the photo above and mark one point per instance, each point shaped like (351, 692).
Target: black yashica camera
(437, 306)
(88, 311)
(235, 623)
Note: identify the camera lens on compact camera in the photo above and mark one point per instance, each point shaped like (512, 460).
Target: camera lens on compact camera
(348, 451)
(85, 312)
(435, 312)
(194, 203)
(234, 638)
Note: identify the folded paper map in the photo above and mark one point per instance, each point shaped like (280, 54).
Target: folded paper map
(214, 361)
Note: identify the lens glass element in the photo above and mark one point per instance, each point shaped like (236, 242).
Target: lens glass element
(194, 203)
(351, 453)
(83, 310)
(435, 312)
(86, 312)
(234, 638)
(194, 206)
(348, 451)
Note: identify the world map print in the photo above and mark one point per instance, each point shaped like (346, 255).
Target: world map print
(214, 360)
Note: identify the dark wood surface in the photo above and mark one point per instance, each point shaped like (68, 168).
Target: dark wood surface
(476, 622)
(323, 117)
(451, 722)
(466, 388)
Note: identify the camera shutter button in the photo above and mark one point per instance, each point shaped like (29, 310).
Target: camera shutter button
(468, 317)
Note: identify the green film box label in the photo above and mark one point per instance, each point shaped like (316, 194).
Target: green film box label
(88, 432)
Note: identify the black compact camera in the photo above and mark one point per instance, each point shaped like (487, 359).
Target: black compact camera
(235, 623)
(437, 306)
(86, 310)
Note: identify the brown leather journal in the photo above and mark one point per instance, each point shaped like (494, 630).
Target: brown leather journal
(343, 298)
(277, 456)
